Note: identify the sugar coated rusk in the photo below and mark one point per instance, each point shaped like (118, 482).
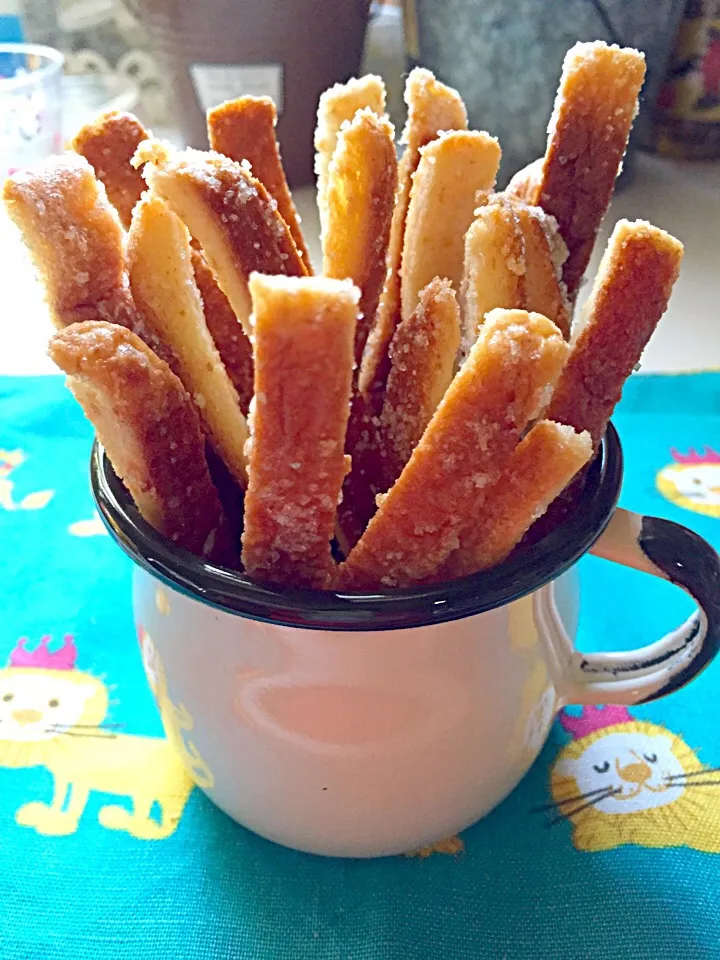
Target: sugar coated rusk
(304, 335)
(149, 427)
(244, 129)
(423, 354)
(164, 290)
(501, 387)
(228, 212)
(338, 105)
(432, 108)
(226, 330)
(513, 259)
(451, 171)
(629, 296)
(73, 233)
(360, 196)
(541, 466)
(109, 144)
(596, 103)
(524, 184)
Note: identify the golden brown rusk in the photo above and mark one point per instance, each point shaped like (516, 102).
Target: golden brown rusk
(304, 335)
(596, 103)
(244, 129)
(109, 144)
(432, 108)
(228, 212)
(149, 427)
(164, 290)
(499, 389)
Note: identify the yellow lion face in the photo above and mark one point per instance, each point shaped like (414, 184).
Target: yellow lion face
(639, 783)
(38, 705)
(694, 486)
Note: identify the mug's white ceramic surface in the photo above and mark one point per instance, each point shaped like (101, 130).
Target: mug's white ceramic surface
(368, 740)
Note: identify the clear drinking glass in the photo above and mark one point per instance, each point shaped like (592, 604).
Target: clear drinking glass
(30, 104)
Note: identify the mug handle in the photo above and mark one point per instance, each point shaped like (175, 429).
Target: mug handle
(671, 552)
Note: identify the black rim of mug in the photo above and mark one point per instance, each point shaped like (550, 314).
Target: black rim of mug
(233, 592)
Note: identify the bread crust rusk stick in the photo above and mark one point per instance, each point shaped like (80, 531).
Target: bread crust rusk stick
(432, 108)
(244, 129)
(164, 290)
(629, 296)
(74, 237)
(596, 104)
(228, 212)
(338, 105)
(149, 427)
(466, 446)
(304, 335)
(540, 468)
(453, 168)
(360, 195)
(226, 330)
(109, 144)
(423, 354)
(513, 259)
(524, 184)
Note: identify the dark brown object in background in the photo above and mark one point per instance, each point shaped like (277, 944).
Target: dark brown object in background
(317, 43)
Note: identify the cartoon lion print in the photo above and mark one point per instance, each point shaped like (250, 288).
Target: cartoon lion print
(624, 781)
(692, 481)
(54, 716)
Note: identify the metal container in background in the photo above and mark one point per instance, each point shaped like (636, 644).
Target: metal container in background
(291, 51)
(505, 57)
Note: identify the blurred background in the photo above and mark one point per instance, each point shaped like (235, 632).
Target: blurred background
(170, 60)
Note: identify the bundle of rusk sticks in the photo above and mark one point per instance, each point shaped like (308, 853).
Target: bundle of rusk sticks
(406, 416)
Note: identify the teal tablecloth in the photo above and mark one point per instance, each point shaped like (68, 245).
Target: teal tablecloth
(72, 887)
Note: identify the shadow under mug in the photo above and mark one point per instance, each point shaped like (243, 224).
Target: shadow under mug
(374, 724)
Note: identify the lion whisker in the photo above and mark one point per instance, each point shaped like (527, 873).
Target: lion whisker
(561, 803)
(692, 773)
(87, 726)
(96, 734)
(566, 815)
(700, 783)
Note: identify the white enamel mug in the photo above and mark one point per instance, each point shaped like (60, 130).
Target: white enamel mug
(366, 725)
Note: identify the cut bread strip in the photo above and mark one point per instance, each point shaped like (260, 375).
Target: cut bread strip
(513, 259)
(74, 237)
(304, 334)
(423, 354)
(161, 278)
(244, 129)
(360, 195)
(338, 105)
(629, 296)
(149, 427)
(452, 170)
(228, 212)
(109, 144)
(432, 108)
(596, 103)
(540, 468)
(466, 446)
